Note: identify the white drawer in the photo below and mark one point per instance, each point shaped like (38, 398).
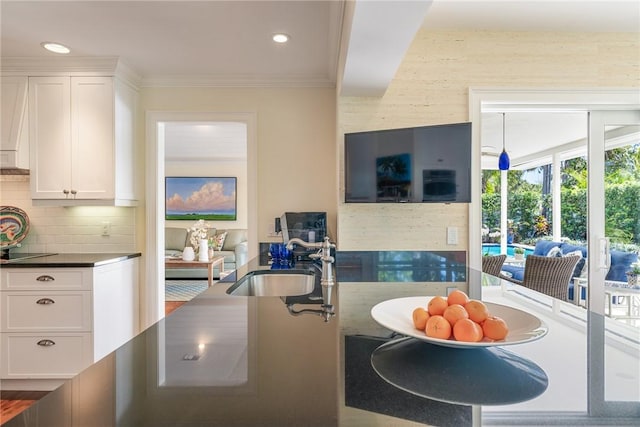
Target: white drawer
(50, 278)
(30, 311)
(44, 356)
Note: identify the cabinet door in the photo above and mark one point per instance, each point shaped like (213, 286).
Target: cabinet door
(49, 137)
(67, 311)
(55, 355)
(14, 101)
(92, 137)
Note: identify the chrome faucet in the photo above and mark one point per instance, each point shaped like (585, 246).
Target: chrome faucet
(327, 280)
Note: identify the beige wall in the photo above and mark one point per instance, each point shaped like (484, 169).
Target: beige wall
(296, 142)
(432, 87)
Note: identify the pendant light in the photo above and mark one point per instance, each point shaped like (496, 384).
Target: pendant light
(503, 160)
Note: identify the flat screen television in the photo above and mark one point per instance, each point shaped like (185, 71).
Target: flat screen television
(427, 164)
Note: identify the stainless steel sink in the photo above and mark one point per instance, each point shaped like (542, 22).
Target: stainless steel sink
(274, 283)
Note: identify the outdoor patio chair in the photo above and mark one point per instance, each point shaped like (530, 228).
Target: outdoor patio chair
(493, 264)
(548, 275)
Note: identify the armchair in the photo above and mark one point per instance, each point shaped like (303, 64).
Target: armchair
(548, 275)
(493, 264)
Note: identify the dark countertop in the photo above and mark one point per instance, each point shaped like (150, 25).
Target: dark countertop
(70, 260)
(224, 360)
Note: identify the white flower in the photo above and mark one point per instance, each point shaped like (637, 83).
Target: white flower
(199, 231)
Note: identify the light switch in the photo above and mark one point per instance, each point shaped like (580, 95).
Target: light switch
(106, 228)
(452, 235)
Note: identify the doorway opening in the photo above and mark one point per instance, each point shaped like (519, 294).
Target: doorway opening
(166, 155)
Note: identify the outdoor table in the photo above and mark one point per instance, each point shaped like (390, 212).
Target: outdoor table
(612, 289)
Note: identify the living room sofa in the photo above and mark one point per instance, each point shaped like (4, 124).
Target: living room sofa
(235, 250)
(620, 262)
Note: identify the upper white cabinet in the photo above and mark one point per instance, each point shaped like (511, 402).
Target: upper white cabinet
(81, 134)
(13, 93)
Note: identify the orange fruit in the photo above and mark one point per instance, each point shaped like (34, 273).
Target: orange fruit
(457, 297)
(455, 312)
(477, 310)
(495, 328)
(438, 327)
(437, 305)
(467, 330)
(420, 316)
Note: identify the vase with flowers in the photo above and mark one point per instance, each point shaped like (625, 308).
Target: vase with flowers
(199, 231)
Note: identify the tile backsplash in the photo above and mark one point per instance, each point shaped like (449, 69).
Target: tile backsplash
(69, 229)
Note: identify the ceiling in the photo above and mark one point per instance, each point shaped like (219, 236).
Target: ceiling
(228, 43)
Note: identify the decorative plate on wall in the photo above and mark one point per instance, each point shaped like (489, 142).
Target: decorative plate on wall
(14, 225)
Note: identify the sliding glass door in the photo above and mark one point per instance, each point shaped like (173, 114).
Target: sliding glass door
(613, 238)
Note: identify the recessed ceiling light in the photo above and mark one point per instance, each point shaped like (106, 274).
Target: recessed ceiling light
(280, 38)
(55, 47)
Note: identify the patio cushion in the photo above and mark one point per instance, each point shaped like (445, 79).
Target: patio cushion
(544, 246)
(577, 271)
(554, 252)
(571, 250)
(567, 248)
(620, 264)
(517, 271)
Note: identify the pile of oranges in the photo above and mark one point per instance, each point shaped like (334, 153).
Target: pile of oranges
(459, 317)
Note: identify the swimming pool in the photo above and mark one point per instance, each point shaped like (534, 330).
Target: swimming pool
(494, 249)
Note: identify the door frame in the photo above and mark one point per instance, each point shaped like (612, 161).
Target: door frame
(560, 100)
(598, 404)
(152, 298)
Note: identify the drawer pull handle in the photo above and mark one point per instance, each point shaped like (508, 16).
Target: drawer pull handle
(45, 301)
(45, 278)
(46, 343)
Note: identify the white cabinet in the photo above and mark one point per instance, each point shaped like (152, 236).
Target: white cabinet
(55, 322)
(81, 141)
(14, 142)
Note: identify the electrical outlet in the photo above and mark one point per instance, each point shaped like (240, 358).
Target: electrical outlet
(106, 228)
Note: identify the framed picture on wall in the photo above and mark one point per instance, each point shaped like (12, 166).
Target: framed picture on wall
(194, 198)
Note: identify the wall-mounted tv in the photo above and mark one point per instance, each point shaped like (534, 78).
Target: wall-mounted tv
(427, 164)
(193, 198)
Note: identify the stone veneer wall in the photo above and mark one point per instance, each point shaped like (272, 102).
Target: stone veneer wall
(70, 229)
(432, 87)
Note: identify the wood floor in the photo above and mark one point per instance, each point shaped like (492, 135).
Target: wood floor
(170, 306)
(14, 402)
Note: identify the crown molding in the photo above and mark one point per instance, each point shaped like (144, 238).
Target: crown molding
(113, 66)
(237, 80)
(69, 66)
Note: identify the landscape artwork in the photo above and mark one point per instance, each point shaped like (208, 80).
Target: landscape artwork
(194, 198)
(393, 178)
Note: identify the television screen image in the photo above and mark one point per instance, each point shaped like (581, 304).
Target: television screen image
(194, 198)
(426, 164)
(393, 177)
